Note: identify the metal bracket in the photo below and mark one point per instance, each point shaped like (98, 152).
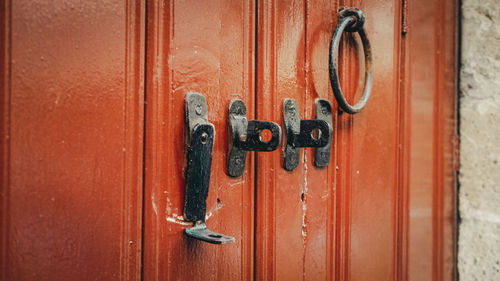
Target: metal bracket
(300, 133)
(246, 136)
(324, 112)
(199, 139)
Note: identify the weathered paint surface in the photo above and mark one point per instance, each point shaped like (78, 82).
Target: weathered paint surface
(207, 47)
(72, 99)
(295, 210)
(429, 96)
(387, 210)
(72, 120)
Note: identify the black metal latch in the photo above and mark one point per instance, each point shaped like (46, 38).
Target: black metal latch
(199, 139)
(306, 133)
(246, 136)
(324, 112)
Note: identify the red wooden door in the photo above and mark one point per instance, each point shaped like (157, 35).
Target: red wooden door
(383, 209)
(93, 141)
(207, 47)
(71, 147)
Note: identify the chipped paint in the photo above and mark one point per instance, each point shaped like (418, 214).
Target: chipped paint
(169, 206)
(174, 218)
(303, 197)
(213, 210)
(155, 208)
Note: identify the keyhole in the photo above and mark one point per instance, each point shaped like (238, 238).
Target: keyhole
(265, 135)
(316, 134)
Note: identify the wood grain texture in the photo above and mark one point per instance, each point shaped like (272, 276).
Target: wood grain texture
(72, 105)
(431, 71)
(429, 88)
(372, 186)
(295, 210)
(72, 98)
(368, 151)
(205, 47)
(5, 47)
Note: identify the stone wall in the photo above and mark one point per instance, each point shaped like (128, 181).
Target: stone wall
(479, 191)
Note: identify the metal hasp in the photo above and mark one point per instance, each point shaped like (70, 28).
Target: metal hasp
(199, 144)
(245, 136)
(301, 133)
(351, 20)
(324, 112)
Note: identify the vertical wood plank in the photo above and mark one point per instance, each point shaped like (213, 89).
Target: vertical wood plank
(430, 86)
(319, 199)
(368, 165)
(295, 210)
(72, 126)
(205, 47)
(421, 81)
(403, 215)
(5, 55)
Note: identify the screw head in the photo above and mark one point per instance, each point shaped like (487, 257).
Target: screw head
(237, 161)
(243, 137)
(204, 138)
(198, 109)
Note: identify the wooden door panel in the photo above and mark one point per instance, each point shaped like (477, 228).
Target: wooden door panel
(368, 154)
(421, 174)
(295, 210)
(72, 100)
(203, 46)
(72, 124)
(359, 211)
(430, 116)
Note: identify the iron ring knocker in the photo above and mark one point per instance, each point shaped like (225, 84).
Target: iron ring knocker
(351, 20)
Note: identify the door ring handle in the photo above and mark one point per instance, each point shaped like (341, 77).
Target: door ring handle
(351, 20)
